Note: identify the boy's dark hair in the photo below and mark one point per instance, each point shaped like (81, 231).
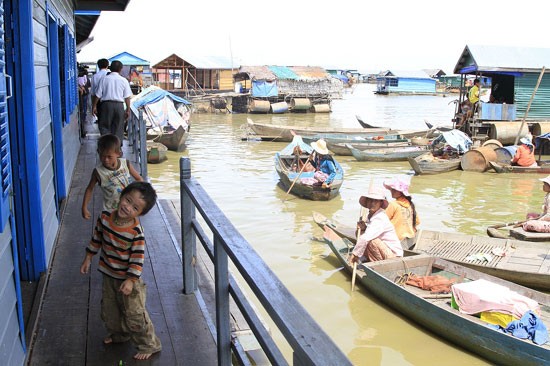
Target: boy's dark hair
(148, 194)
(477, 81)
(108, 142)
(116, 66)
(103, 63)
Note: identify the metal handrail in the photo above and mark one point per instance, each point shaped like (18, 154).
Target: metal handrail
(310, 344)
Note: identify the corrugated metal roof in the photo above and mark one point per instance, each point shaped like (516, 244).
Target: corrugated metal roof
(283, 72)
(128, 59)
(211, 62)
(411, 74)
(501, 58)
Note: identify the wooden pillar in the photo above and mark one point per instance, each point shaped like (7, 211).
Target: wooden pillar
(188, 237)
(223, 326)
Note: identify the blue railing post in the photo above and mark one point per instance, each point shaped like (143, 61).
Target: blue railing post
(223, 326)
(188, 238)
(131, 129)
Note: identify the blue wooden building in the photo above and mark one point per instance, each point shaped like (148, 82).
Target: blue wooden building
(39, 143)
(405, 82)
(513, 73)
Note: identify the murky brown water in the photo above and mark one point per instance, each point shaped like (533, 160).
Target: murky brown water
(241, 178)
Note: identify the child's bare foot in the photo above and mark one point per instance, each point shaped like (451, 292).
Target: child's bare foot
(108, 340)
(142, 356)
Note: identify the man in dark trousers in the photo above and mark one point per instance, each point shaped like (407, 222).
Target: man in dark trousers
(103, 66)
(113, 91)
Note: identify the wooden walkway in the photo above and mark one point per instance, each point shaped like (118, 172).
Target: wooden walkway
(69, 330)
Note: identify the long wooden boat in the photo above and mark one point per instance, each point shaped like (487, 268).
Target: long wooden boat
(435, 313)
(430, 164)
(174, 140)
(290, 176)
(363, 123)
(390, 154)
(500, 168)
(339, 148)
(156, 152)
(286, 133)
(525, 263)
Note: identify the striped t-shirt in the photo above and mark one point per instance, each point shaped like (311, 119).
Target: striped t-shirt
(122, 248)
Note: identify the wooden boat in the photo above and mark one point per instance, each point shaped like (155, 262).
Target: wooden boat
(525, 263)
(290, 176)
(519, 233)
(285, 133)
(156, 152)
(384, 279)
(340, 148)
(430, 164)
(390, 154)
(500, 168)
(174, 140)
(363, 123)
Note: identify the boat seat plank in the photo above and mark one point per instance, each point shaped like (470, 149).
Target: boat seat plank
(459, 250)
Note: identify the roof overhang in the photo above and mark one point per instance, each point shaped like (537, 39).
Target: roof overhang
(86, 14)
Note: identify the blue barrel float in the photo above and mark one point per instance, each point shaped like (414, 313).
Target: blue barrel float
(281, 107)
(505, 154)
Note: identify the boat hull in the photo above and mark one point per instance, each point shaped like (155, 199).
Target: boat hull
(435, 313)
(173, 140)
(383, 155)
(433, 166)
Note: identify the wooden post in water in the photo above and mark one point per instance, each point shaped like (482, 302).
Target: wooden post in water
(188, 238)
(529, 105)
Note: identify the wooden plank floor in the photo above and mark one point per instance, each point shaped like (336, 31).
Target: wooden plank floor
(69, 330)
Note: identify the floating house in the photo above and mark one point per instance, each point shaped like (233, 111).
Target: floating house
(194, 75)
(135, 69)
(277, 89)
(514, 72)
(39, 145)
(405, 82)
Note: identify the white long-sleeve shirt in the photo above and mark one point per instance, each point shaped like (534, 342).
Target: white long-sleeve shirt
(380, 227)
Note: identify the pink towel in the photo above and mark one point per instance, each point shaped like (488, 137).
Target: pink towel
(481, 295)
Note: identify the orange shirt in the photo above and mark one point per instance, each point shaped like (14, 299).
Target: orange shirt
(401, 216)
(525, 156)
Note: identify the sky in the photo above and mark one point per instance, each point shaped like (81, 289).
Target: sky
(368, 36)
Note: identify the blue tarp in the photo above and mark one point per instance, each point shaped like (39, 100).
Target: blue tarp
(262, 88)
(154, 95)
(341, 77)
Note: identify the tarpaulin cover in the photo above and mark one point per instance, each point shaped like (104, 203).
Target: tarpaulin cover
(261, 88)
(341, 77)
(456, 139)
(152, 95)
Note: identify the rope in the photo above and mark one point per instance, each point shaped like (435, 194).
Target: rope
(402, 279)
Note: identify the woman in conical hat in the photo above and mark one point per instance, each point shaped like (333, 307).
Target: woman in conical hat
(326, 170)
(401, 211)
(378, 239)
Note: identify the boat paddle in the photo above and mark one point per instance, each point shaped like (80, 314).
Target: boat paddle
(298, 176)
(493, 232)
(354, 272)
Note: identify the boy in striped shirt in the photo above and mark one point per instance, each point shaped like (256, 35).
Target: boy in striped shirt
(119, 236)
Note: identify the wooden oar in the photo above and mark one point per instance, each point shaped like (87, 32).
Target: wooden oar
(493, 232)
(298, 176)
(354, 273)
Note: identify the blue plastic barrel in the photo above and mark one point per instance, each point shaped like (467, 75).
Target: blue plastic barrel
(505, 154)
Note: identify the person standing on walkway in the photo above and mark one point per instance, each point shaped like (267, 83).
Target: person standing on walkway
(473, 96)
(119, 237)
(103, 65)
(114, 91)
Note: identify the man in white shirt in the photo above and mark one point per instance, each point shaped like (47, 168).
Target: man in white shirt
(102, 65)
(113, 91)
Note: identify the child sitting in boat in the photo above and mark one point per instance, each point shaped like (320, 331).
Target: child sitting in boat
(401, 211)
(540, 223)
(525, 154)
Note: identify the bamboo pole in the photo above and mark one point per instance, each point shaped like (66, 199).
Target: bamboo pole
(529, 105)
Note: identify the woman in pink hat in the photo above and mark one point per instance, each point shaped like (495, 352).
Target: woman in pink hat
(402, 212)
(378, 239)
